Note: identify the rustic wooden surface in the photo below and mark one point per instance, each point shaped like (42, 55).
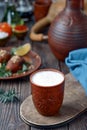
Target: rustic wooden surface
(9, 113)
(68, 111)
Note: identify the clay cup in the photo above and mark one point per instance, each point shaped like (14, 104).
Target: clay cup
(40, 10)
(47, 96)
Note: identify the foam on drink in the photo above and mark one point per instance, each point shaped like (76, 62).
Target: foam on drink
(47, 78)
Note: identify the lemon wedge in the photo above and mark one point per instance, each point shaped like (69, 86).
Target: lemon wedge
(23, 50)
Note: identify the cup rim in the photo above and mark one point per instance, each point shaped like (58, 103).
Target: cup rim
(47, 69)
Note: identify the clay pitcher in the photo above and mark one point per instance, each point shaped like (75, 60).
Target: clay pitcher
(41, 8)
(68, 31)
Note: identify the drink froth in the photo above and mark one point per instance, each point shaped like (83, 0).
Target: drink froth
(47, 78)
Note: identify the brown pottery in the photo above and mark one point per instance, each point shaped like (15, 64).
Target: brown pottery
(41, 8)
(47, 99)
(68, 30)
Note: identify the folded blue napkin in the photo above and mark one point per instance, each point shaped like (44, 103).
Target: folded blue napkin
(77, 63)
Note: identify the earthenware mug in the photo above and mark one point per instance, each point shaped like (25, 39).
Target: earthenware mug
(40, 9)
(47, 87)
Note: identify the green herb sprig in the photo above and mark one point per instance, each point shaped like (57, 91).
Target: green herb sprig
(7, 73)
(3, 71)
(8, 96)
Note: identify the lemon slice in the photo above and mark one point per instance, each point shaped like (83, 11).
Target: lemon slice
(23, 50)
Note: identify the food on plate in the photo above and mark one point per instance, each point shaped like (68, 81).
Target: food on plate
(4, 56)
(11, 64)
(14, 64)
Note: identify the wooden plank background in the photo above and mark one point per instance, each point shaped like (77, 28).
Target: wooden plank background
(9, 113)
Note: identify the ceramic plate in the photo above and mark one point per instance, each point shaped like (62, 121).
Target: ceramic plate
(31, 56)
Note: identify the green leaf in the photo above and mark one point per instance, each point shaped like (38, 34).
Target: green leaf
(24, 67)
(13, 51)
(4, 72)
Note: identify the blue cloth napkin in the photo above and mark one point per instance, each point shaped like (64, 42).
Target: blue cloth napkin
(77, 63)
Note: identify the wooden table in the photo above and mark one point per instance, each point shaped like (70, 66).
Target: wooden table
(9, 113)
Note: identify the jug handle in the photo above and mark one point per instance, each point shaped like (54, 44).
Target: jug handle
(36, 29)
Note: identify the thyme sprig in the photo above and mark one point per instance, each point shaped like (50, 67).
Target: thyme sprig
(8, 96)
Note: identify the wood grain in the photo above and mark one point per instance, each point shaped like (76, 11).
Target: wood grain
(9, 113)
(48, 59)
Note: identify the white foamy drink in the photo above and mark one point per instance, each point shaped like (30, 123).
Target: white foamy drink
(47, 78)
